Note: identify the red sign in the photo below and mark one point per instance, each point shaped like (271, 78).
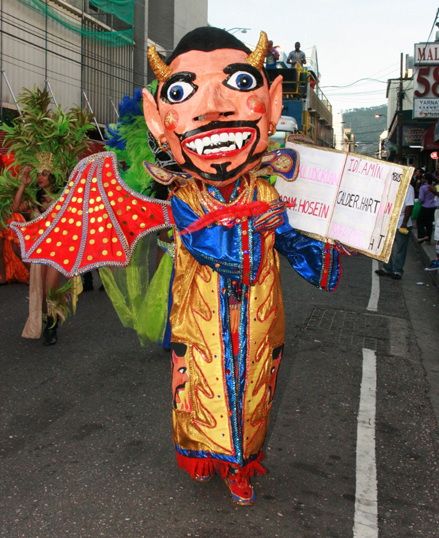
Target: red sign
(434, 155)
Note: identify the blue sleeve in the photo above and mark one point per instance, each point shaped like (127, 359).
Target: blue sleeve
(315, 261)
(222, 248)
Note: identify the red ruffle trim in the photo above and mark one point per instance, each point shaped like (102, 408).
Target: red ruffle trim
(197, 467)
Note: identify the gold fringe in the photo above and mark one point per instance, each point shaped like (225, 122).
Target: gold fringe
(76, 291)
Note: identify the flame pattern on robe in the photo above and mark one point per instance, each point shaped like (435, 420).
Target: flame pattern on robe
(223, 381)
(231, 394)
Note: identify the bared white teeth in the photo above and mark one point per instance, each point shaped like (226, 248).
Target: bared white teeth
(238, 140)
(199, 146)
(218, 143)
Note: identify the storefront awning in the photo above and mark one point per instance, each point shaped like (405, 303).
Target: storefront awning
(429, 142)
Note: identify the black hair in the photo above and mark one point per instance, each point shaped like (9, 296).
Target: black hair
(206, 39)
(429, 177)
(41, 193)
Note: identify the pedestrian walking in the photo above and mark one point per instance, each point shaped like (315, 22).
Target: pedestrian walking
(394, 268)
(425, 220)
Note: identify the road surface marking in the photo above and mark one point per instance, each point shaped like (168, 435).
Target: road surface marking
(375, 289)
(366, 506)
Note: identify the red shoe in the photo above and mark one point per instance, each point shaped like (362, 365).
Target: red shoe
(241, 489)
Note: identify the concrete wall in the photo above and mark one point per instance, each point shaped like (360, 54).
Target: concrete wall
(392, 99)
(26, 62)
(31, 52)
(140, 61)
(189, 14)
(161, 24)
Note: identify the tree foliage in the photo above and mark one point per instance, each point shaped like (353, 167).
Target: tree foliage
(41, 129)
(367, 124)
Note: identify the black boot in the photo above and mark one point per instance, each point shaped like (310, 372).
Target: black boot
(49, 334)
(87, 281)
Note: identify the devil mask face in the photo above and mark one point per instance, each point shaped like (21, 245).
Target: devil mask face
(214, 109)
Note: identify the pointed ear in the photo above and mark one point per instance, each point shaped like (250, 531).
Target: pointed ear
(276, 100)
(152, 116)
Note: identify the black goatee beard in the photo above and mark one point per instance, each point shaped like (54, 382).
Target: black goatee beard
(222, 176)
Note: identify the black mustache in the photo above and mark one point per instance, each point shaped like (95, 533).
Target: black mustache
(218, 125)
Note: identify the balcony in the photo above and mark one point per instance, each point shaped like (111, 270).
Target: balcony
(318, 104)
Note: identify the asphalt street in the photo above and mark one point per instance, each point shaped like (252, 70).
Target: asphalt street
(85, 443)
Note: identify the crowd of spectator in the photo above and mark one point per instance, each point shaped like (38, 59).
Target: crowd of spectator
(426, 211)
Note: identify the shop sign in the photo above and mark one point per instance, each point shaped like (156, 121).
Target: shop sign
(426, 53)
(426, 91)
(425, 108)
(412, 136)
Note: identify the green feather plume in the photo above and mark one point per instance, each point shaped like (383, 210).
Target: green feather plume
(39, 129)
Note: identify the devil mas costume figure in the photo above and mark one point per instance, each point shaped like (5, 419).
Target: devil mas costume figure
(214, 110)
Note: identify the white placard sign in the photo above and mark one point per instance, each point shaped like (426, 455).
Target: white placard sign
(426, 108)
(346, 197)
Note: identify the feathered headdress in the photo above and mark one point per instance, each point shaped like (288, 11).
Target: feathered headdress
(44, 138)
(45, 161)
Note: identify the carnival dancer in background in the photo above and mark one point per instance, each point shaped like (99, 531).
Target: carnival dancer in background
(44, 279)
(12, 268)
(46, 143)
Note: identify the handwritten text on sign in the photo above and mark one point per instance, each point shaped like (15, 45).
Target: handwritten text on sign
(346, 197)
(313, 193)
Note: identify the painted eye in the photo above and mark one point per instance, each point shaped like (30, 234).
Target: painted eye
(179, 91)
(242, 80)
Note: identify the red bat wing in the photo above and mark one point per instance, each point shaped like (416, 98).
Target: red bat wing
(96, 221)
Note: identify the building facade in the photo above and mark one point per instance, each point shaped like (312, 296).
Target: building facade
(304, 101)
(87, 52)
(413, 110)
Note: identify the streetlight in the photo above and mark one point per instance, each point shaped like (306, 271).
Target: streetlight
(237, 29)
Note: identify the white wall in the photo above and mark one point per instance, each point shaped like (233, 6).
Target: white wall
(392, 100)
(188, 14)
(24, 58)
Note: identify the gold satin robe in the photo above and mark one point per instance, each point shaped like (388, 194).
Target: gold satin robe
(208, 419)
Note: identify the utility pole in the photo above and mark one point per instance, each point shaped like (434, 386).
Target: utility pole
(140, 40)
(400, 108)
(400, 105)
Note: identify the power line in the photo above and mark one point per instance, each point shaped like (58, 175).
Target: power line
(99, 57)
(67, 58)
(341, 94)
(356, 82)
(433, 25)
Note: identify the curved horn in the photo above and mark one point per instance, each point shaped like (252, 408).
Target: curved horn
(257, 57)
(160, 69)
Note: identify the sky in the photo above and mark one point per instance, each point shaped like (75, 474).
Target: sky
(355, 39)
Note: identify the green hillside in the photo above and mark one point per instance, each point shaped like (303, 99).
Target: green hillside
(367, 125)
